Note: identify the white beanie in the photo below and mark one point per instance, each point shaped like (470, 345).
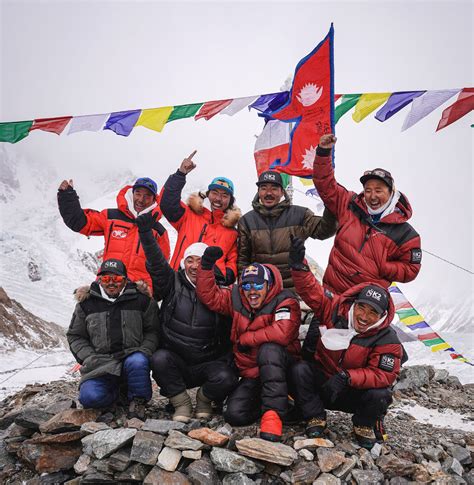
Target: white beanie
(196, 249)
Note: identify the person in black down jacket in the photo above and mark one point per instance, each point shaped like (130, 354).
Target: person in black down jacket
(195, 348)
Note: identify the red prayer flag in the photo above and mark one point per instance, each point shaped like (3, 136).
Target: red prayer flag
(461, 107)
(311, 107)
(211, 108)
(54, 125)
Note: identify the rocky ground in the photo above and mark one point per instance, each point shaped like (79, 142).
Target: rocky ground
(46, 439)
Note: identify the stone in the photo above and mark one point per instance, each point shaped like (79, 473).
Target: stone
(237, 479)
(343, 470)
(209, 437)
(70, 419)
(192, 455)
(168, 459)
(134, 473)
(453, 381)
(469, 477)
(82, 464)
(421, 474)
(16, 431)
(267, 451)
(413, 377)
(392, 466)
(286, 476)
(433, 453)
(92, 427)
(451, 465)
(161, 426)
(313, 443)
(54, 478)
(306, 454)
(157, 476)
(146, 447)
(440, 375)
(61, 405)
(329, 459)
(305, 472)
(432, 467)
(202, 472)
(94, 476)
(366, 459)
(327, 479)
(399, 481)
(56, 438)
(225, 429)
(272, 469)
(120, 460)
(463, 455)
(74, 481)
(134, 423)
(104, 443)
(376, 450)
(180, 441)
(231, 462)
(32, 418)
(367, 477)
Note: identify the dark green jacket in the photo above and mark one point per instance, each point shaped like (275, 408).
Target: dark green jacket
(264, 234)
(102, 333)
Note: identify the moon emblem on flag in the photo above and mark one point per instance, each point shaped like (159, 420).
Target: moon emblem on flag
(308, 157)
(309, 94)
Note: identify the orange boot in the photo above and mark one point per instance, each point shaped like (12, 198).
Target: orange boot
(271, 426)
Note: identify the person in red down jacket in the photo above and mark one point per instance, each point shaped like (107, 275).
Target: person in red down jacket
(118, 226)
(374, 241)
(358, 355)
(264, 335)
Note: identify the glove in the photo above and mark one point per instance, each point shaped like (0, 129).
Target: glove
(297, 251)
(336, 385)
(210, 256)
(146, 222)
(243, 349)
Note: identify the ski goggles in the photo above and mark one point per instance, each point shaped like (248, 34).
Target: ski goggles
(115, 278)
(249, 286)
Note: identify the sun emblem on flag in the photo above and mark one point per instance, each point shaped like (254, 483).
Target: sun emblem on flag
(309, 94)
(308, 157)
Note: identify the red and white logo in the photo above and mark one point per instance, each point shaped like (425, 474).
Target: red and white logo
(119, 234)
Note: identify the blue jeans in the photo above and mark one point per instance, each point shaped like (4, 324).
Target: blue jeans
(103, 391)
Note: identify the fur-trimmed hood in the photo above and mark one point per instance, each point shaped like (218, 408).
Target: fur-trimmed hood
(84, 292)
(228, 218)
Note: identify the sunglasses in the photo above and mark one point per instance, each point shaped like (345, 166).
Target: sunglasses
(379, 173)
(249, 286)
(109, 278)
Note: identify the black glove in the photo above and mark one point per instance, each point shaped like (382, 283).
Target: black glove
(297, 252)
(146, 221)
(210, 256)
(336, 385)
(243, 349)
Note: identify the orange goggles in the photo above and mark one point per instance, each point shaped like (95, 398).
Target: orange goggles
(112, 278)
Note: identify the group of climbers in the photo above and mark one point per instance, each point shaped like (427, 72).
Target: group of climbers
(236, 337)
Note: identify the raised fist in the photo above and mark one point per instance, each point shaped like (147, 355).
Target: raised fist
(146, 222)
(66, 184)
(327, 141)
(297, 252)
(210, 256)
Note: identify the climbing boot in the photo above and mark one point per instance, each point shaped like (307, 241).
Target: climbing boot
(183, 408)
(271, 426)
(316, 426)
(203, 405)
(136, 408)
(380, 432)
(365, 436)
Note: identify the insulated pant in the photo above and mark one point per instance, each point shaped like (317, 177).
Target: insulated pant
(366, 405)
(103, 391)
(268, 392)
(217, 377)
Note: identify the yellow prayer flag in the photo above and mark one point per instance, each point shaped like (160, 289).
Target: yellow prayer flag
(413, 319)
(306, 182)
(367, 103)
(155, 118)
(444, 346)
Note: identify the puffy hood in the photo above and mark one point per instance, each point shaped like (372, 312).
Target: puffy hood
(228, 218)
(123, 202)
(275, 289)
(276, 210)
(402, 213)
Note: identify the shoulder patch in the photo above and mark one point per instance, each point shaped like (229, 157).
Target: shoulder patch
(387, 362)
(416, 256)
(282, 313)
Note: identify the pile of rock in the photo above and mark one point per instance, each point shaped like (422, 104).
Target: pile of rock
(46, 439)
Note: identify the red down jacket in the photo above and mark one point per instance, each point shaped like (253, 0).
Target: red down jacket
(373, 359)
(118, 228)
(249, 328)
(363, 251)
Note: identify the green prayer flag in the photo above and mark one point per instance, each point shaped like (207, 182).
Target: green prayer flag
(285, 178)
(432, 342)
(348, 101)
(184, 111)
(15, 131)
(409, 312)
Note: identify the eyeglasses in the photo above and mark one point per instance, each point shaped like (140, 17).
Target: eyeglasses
(115, 278)
(379, 172)
(249, 286)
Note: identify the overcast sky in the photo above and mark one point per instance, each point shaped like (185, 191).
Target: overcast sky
(71, 58)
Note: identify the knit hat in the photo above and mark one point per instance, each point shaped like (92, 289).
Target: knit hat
(114, 266)
(222, 183)
(196, 249)
(147, 183)
(256, 273)
(375, 296)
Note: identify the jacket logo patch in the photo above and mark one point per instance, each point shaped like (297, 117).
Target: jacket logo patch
(415, 256)
(119, 234)
(282, 314)
(387, 362)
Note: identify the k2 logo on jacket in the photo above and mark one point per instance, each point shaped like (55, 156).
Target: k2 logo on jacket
(282, 314)
(119, 234)
(387, 362)
(415, 256)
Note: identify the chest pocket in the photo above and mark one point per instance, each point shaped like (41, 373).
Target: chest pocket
(97, 329)
(132, 328)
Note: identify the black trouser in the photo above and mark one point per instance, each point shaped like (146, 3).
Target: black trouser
(366, 405)
(217, 377)
(269, 391)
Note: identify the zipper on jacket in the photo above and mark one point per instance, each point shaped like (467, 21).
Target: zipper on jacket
(366, 238)
(203, 232)
(177, 253)
(108, 237)
(138, 246)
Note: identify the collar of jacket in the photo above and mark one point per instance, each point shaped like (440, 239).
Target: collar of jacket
(274, 211)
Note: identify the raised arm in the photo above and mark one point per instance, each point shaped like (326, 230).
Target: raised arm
(150, 328)
(318, 227)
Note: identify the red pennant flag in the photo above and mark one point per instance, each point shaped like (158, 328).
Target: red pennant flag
(311, 107)
(54, 125)
(461, 107)
(211, 108)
